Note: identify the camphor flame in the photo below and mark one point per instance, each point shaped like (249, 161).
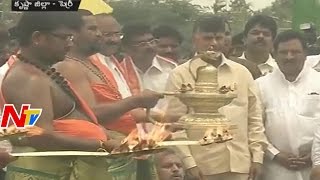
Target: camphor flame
(137, 142)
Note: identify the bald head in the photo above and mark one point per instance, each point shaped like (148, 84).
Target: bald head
(111, 32)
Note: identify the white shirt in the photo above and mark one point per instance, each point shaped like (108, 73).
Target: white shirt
(6, 145)
(313, 62)
(266, 67)
(291, 115)
(3, 70)
(123, 87)
(155, 78)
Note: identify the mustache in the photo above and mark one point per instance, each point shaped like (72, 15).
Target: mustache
(261, 41)
(169, 53)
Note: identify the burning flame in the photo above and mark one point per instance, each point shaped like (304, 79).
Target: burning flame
(137, 141)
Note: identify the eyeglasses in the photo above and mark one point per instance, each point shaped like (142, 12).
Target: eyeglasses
(65, 37)
(146, 43)
(111, 35)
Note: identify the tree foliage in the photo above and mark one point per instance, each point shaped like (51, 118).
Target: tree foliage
(282, 12)
(177, 13)
(7, 16)
(237, 13)
(182, 13)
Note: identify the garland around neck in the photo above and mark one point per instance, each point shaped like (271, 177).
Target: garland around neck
(53, 74)
(99, 74)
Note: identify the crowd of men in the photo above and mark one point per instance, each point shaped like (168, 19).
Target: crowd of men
(94, 79)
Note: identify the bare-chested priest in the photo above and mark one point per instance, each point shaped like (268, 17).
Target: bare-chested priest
(96, 84)
(90, 80)
(68, 122)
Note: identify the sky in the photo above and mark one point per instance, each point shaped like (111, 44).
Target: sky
(256, 4)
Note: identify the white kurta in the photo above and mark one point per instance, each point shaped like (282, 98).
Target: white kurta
(313, 62)
(291, 116)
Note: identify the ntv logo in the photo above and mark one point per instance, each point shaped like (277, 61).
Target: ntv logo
(26, 118)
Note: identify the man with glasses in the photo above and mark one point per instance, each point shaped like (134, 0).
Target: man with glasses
(111, 42)
(143, 68)
(95, 84)
(112, 35)
(45, 38)
(111, 88)
(118, 88)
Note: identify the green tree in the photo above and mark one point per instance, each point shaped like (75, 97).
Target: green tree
(281, 11)
(305, 12)
(239, 13)
(7, 16)
(177, 13)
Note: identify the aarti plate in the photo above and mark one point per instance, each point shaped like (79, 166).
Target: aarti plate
(137, 153)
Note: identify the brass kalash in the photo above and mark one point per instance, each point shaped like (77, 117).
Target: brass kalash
(203, 101)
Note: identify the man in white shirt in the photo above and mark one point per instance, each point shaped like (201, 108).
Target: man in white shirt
(142, 67)
(259, 33)
(291, 102)
(313, 62)
(169, 42)
(145, 70)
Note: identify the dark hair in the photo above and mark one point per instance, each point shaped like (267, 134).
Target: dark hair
(165, 153)
(262, 20)
(210, 24)
(133, 30)
(45, 21)
(237, 39)
(167, 31)
(287, 36)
